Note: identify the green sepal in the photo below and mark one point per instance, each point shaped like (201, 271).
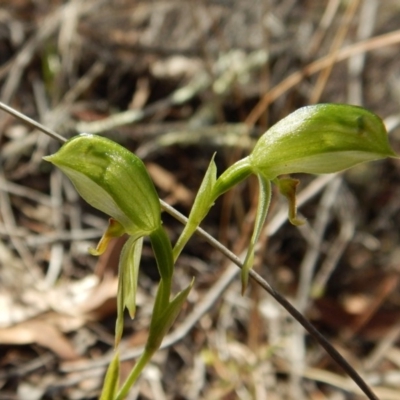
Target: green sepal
(164, 316)
(321, 139)
(114, 230)
(287, 187)
(127, 282)
(111, 380)
(203, 202)
(264, 200)
(111, 179)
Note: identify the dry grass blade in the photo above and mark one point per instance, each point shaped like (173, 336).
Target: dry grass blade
(388, 39)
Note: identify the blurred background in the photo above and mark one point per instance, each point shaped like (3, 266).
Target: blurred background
(175, 82)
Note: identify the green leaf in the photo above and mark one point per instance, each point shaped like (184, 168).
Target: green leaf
(203, 202)
(127, 282)
(264, 200)
(164, 316)
(111, 179)
(321, 139)
(111, 380)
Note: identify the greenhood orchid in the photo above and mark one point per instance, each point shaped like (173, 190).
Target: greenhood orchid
(116, 182)
(111, 179)
(318, 139)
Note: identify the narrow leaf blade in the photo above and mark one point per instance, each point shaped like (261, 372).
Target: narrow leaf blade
(262, 210)
(111, 380)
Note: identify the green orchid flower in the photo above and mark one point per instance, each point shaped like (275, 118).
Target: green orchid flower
(318, 139)
(111, 179)
(116, 182)
(321, 139)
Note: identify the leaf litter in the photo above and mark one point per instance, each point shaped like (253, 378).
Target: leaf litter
(177, 80)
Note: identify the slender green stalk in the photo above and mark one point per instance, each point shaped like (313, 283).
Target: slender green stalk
(232, 176)
(163, 253)
(134, 374)
(154, 340)
(111, 380)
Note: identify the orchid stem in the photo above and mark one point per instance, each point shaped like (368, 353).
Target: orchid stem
(134, 374)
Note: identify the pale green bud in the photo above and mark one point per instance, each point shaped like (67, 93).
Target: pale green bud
(111, 179)
(321, 139)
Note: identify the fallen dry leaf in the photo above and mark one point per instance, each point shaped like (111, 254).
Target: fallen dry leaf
(41, 332)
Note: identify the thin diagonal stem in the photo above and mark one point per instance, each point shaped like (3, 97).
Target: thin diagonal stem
(31, 122)
(299, 317)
